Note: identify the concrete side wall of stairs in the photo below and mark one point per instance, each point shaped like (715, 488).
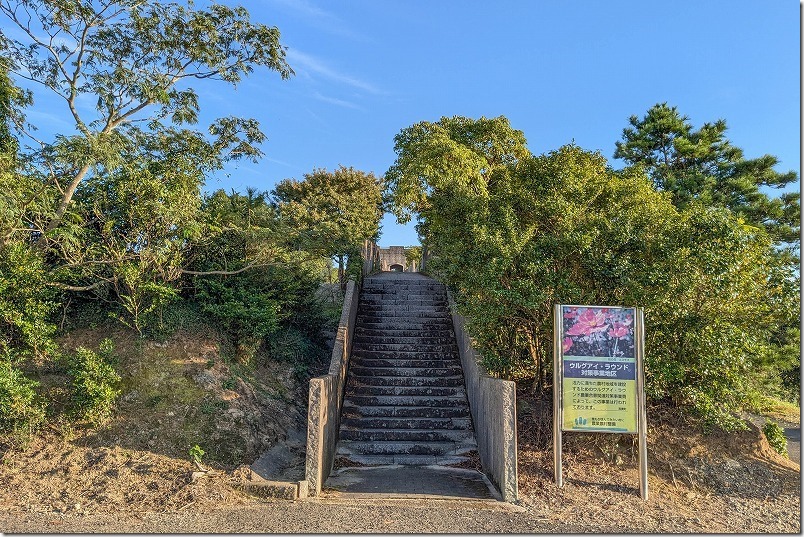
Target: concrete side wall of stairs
(493, 405)
(326, 398)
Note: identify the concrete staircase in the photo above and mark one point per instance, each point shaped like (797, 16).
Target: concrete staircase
(405, 401)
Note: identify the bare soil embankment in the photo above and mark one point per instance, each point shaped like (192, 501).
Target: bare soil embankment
(135, 475)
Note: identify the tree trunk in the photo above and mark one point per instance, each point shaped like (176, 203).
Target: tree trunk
(535, 355)
(341, 273)
(66, 198)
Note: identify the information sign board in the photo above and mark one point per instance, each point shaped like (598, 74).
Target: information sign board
(598, 377)
(599, 369)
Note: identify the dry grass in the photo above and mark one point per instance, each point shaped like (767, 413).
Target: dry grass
(693, 478)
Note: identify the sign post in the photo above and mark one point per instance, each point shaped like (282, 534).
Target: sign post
(598, 376)
(643, 416)
(558, 414)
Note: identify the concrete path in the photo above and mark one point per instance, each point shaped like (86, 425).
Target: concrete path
(793, 434)
(396, 481)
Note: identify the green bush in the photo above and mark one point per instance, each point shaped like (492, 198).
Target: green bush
(94, 383)
(776, 438)
(26, 303)
(246, 311)
(180, 315)
(295, 347)
(513, 234)
(21, 411)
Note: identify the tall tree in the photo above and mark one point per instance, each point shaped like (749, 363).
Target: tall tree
(512, 237)
(702, 165)
(455, 158)
(16, 189)
(333, 212)
(113, 203)
(277, 292)
(134, 60)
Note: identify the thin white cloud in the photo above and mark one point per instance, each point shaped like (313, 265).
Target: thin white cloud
(337, 102)
(319, 18)
(305, 8)
(305, 62)
(281, 163)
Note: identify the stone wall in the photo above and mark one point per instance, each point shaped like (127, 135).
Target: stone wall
(326, 398)
(395, 255)
(492, 403)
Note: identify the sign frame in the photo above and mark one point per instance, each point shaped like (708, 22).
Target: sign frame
(558, 392)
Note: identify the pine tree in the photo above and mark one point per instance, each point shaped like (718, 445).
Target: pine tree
(702, 165)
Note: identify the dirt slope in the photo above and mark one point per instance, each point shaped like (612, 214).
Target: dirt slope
(135, 474)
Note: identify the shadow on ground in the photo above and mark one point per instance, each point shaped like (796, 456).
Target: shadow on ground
(397, 481)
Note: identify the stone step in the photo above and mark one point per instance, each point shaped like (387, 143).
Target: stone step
(402, 323)
(406, 460)
(382, 422)
(374, 363)
(410, 291)
(393, 286)
(390, 327)
(405, 347)
(406, 298)
(361, 331)
(406, 435)
(373, 283)
(401, 306)
(353, 411)
(401, 310)
(406, 395)
(446, 339)
(379, 447)
(435, 372)
(423, 299)
(401, 317)
(362, 380)
(402, 355)
(381, 300)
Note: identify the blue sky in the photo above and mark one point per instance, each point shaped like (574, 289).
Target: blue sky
(561, 71)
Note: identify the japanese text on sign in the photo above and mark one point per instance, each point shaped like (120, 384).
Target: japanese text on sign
(599, 369)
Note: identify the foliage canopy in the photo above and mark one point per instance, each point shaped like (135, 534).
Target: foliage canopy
(702, 165)
(513, 234)
(331, 212)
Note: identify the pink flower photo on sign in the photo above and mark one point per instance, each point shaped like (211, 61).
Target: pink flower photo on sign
(603, 332)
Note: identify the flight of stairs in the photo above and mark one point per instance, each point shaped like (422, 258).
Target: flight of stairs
(405, 401)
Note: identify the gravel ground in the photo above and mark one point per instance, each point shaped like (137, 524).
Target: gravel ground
(311, 516)
(577, 508)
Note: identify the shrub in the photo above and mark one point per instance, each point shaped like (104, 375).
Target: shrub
(295, 347)
(512, 241)
(196, 454)
(21, 411)
(246, 312)
(776, 438)
(26, 303)
(94, 383)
